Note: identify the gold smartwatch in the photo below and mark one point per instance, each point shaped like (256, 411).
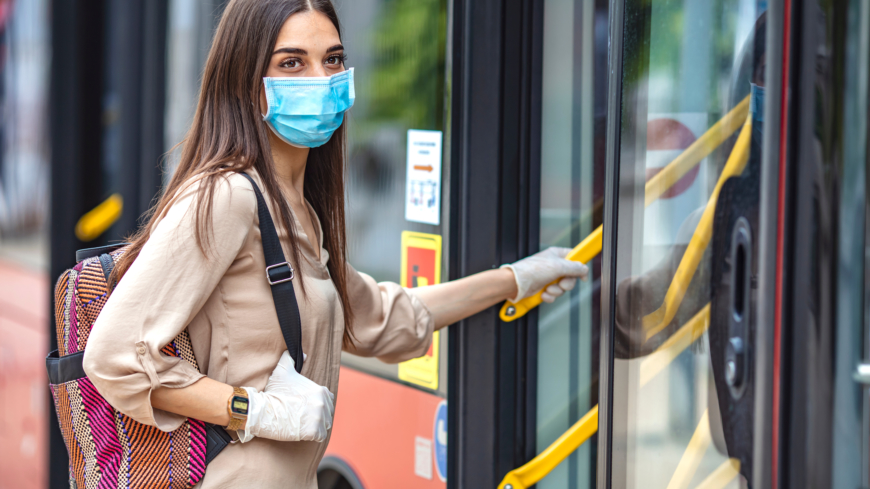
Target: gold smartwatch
(237, 406)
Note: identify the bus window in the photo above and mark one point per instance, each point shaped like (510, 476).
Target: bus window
(572, 198)
(390, 422)
(686, 227)
(400, 73)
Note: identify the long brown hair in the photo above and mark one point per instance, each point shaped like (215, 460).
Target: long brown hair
(228, 136)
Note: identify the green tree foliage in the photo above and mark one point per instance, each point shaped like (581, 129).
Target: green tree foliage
(407, 83)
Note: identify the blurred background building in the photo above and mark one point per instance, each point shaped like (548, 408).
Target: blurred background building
(25, 57)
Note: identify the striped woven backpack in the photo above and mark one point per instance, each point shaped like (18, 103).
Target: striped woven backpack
(108, 449)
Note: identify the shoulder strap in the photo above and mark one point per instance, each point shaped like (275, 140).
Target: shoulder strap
(108, 265)
(280, 274)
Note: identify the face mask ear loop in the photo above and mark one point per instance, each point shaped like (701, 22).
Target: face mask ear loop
(267, 88)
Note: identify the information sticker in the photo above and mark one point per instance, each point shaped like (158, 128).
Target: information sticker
(423, 177)
(421, 266)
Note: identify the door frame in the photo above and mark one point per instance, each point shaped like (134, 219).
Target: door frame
(494, 219)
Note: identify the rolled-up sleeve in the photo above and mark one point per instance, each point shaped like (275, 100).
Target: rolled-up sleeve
(157, 298)
(390, 322)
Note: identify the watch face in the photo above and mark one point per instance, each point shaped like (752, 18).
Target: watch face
(240, 405)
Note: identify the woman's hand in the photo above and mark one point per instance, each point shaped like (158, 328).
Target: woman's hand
(456, 300)
(291, 408)
(535, 272)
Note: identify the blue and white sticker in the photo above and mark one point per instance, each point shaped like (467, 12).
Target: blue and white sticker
(440, 441)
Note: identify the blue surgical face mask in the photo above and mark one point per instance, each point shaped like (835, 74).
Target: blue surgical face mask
(756, 103)
(305, 112)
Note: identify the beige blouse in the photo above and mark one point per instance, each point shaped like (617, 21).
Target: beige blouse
(226, 304)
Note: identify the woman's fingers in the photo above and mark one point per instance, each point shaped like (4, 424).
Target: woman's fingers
(533, 273)
(555, 290)
(574, 269)
(568, 283)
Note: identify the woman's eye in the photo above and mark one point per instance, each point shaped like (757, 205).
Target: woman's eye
(335, 60)
(290, 63)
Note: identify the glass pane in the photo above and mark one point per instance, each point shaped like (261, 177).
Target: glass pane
(849, 454)
(190, 29)
(687, 228)
(25, 41)
(398, 51)
(572, 194)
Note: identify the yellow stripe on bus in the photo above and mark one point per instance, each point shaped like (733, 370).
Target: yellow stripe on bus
(100, 218)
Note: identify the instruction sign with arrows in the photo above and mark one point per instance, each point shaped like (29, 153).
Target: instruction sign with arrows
(423, 180)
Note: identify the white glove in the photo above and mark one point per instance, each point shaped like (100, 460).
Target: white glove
(291, 408)
(533, 273)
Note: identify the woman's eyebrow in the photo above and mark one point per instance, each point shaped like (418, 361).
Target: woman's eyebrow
(337, 47)
(291, 51)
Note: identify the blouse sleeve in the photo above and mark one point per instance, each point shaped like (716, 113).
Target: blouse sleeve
(159, 296)
(390, 322)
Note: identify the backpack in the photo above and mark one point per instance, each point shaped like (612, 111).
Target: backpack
(108, 449)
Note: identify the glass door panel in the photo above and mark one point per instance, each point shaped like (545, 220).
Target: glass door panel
(686, 232)
(849, 455)
(572, 197)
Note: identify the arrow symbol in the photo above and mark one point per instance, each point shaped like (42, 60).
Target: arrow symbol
(427, 168)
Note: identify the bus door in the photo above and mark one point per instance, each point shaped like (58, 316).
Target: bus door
(733, 323)
(681, 239)
(634, 164)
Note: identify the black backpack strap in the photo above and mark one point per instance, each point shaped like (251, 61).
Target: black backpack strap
(108, 264)
(280, 274)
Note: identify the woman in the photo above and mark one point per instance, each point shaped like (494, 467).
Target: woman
(198, 263)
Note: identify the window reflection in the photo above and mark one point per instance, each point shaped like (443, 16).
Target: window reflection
(690, 155)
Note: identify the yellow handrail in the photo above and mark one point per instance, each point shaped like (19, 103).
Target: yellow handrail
(537, 468)
(547, 460)
(655, 187)
(723, 475)
(691, 458)
(660, 318)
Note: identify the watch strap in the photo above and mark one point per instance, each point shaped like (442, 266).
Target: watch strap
(237, 420)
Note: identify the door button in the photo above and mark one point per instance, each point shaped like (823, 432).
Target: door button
(735, 358)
